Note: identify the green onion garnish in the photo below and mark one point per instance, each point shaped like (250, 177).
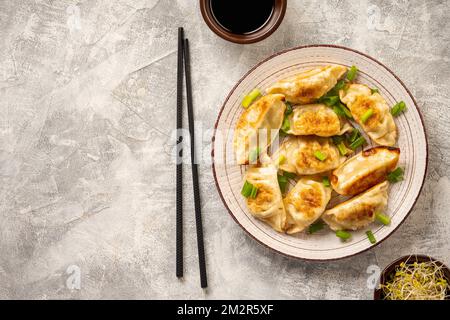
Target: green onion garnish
(339, 142)
(338, 111)
(254, 192)
(374, 90)
(342, 148)
(316, 226)
(351, 74)
(286, 125)
(326, 181)
(254, 155)
(339, 85)
(344, 235)
(355, 134)
(319, 155)
(330, 101)
(335, 90)
(249, 98)
(289, 175)
(357, 143)
(366, 115)
(249, 190)
(282, 182)
(337, 139)
(288, 108)
(396, 175)
(371, 237)
(384, 219)
(398, 108)
(342, 110)
(283, 179)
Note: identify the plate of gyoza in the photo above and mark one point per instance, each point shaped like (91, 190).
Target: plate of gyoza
(319, 152)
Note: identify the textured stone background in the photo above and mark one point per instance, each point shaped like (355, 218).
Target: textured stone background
(87, 101)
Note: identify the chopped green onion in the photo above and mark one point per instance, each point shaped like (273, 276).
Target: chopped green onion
(283, 179)
(249, 98)
(254, 155)
(326, 181)
(398, 108)
(254, 192)
(329, 100)
(357, 143)
(339, 85)
(374, 90)
(384, 219)
(344, 235)
(339, 142)
(282, 182)
(351, 74)
(342, 148)
(316, 226)
(281, 159)
(371, 237)
(396, 175)
(286, 126)
(289, 175)
(342, 110)
(335, 90)
(319, 155)
(249, 190)
(337, 139)
(355, 134)
(288, 108)
(338, 111)
(366, 115)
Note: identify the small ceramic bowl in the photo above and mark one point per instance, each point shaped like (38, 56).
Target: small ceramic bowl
(378, 293)
(269, 27)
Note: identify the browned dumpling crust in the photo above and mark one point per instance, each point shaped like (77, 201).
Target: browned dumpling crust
(310, 85)
(268, 204)
(262, 119)
(380, 126)
(359, 211)
(305, 203)
(364, 170)
(316, 119)
(299, 154)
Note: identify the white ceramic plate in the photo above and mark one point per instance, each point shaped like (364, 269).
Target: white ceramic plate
(323, 245)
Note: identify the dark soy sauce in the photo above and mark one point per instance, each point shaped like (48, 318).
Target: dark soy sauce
(242, 16)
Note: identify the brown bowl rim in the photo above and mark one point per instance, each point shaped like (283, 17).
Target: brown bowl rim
(270, 26)
(378, 293)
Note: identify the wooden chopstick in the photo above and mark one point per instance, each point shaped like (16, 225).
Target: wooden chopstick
(194, 165)
(179, 171)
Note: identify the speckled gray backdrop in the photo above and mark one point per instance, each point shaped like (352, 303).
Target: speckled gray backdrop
(87, 101)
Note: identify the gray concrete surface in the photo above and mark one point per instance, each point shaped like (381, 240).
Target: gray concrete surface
(87, 101)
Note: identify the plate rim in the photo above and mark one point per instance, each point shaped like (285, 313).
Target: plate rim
(422, 125)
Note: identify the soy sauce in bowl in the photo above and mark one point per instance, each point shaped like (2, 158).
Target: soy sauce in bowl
(242, 16)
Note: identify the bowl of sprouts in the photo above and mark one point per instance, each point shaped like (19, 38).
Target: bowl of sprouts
(414, 277)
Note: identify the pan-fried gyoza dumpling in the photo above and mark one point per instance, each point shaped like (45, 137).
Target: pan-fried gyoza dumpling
(380, 126)
(268, 204)
(258, 126)
(310, 85)
(364, 170)
(298, 154)
(305, 203)
(359, 211)
(316, 119)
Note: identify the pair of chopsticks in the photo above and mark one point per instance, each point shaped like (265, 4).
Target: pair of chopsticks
(183, 56)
